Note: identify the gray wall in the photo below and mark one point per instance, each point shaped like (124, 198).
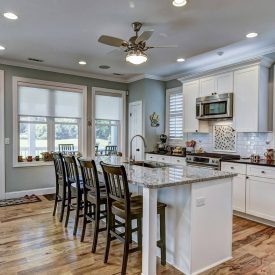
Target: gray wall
(18, 179)
(172, 84)
(152, 94)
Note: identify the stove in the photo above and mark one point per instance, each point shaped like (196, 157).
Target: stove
(209, 160)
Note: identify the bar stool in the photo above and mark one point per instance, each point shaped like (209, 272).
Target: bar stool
(94, 197)
(60, 184)
(75, 190)
(121, 204)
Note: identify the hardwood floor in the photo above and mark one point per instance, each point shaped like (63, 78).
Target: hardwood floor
(34, 242)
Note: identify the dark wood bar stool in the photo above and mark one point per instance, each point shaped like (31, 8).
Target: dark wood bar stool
(75, 190)
(94, 197)
(121, 204)
(60, 184)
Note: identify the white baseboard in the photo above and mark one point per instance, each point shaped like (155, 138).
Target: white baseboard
(42, 191)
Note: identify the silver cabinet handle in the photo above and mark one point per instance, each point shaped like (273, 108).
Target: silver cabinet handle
(263, 172)
(178, 160)
(232, 167)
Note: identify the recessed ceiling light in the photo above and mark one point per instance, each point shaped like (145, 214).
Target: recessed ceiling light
(2, 48)
(251, 35)
(179, 3)
(180, 59)
(82, 62)
(10, 15)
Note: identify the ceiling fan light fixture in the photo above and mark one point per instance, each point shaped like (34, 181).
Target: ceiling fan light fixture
(136, 57)
(179, 3)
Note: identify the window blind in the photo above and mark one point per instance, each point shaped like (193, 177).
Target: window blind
(175, 115)
(33, 101)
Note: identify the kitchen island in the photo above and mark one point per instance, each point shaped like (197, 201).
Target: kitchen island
(198, 214)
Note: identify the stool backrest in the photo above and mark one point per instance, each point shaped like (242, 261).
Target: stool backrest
(59, 168)
(116, 184)
(90, 176)
(72, 171)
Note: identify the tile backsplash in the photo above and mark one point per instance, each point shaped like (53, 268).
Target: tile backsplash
(246, 143)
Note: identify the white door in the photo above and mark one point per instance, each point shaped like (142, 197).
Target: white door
(2, 146)
(224, 83)
(136, 128)
(207, 86)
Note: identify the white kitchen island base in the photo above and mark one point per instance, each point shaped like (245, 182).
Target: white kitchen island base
(198, 224)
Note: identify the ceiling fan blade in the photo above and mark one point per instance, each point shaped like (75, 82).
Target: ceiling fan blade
(144, 36)
(167, 46)
(112, 41)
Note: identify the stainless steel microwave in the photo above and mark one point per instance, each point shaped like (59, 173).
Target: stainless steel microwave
(217, 106)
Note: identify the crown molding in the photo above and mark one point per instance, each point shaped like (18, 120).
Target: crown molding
(143, 76)
(59, 70)
(230, 62)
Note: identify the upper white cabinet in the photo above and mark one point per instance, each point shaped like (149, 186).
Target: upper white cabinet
(191, 91)
(251, 99)
(220, 84)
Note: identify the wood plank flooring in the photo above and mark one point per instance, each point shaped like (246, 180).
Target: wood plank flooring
(34, 242)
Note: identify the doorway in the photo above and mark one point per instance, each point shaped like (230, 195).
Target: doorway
(2, 138)
(136, 128)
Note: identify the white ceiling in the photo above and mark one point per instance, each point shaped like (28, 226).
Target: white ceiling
(61, 32)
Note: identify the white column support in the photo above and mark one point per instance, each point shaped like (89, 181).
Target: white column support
(149, 223)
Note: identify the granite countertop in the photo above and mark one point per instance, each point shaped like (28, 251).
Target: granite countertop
(169, 176)
(165, 154)
(261, 162)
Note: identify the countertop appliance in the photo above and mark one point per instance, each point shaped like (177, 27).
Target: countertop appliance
(216, 106)
(209, 160)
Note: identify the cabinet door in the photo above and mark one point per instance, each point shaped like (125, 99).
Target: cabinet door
(239, 186)
(190, 93)
(246, 87)
(260, 197)
(207, 86)
(224, 83)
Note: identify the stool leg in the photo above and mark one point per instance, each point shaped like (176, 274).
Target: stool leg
(77, 216)
(128, 234)
(162, 237)
(84, 222)
(139, 225)
(97, 217)
(63, 204)
(68, 206)
(107, 248)
(56, 199)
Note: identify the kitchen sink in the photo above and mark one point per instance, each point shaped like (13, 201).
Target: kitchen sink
(151, 164)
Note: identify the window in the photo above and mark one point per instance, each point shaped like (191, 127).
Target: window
(109, 121)
(47, 116)
(174, 118)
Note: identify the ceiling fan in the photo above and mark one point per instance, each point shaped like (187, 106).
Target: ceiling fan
(135, 47)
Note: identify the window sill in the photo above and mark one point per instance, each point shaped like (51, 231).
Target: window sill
(33, 164)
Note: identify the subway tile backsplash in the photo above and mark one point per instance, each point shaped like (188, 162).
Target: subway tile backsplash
(247, 143)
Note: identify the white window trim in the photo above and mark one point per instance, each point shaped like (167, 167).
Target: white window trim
(2, 137)
(45, 84)
(98, 90)
(168, 93)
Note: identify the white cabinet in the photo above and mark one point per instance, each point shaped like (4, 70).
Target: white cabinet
(191, 91)
(239, 184)
(220, 84)
(251, 99)
(260, 196)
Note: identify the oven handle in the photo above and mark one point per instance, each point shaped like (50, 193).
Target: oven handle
(203, 166)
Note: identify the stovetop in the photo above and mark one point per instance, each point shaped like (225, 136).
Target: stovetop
(216, 155)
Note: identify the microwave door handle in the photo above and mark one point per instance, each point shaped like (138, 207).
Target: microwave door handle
(201, 110)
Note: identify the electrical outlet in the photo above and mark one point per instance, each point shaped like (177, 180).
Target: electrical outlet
(200, 202)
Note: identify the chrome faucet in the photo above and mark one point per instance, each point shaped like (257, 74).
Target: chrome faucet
(131, 145)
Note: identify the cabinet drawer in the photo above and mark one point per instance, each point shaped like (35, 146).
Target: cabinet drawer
(165, 159)
(152, 157)
(178, 160)
(234, 167)
(261, 171)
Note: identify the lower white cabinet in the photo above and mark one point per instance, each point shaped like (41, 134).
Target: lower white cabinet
(239, 190)
(166, 159)
(260, 197)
